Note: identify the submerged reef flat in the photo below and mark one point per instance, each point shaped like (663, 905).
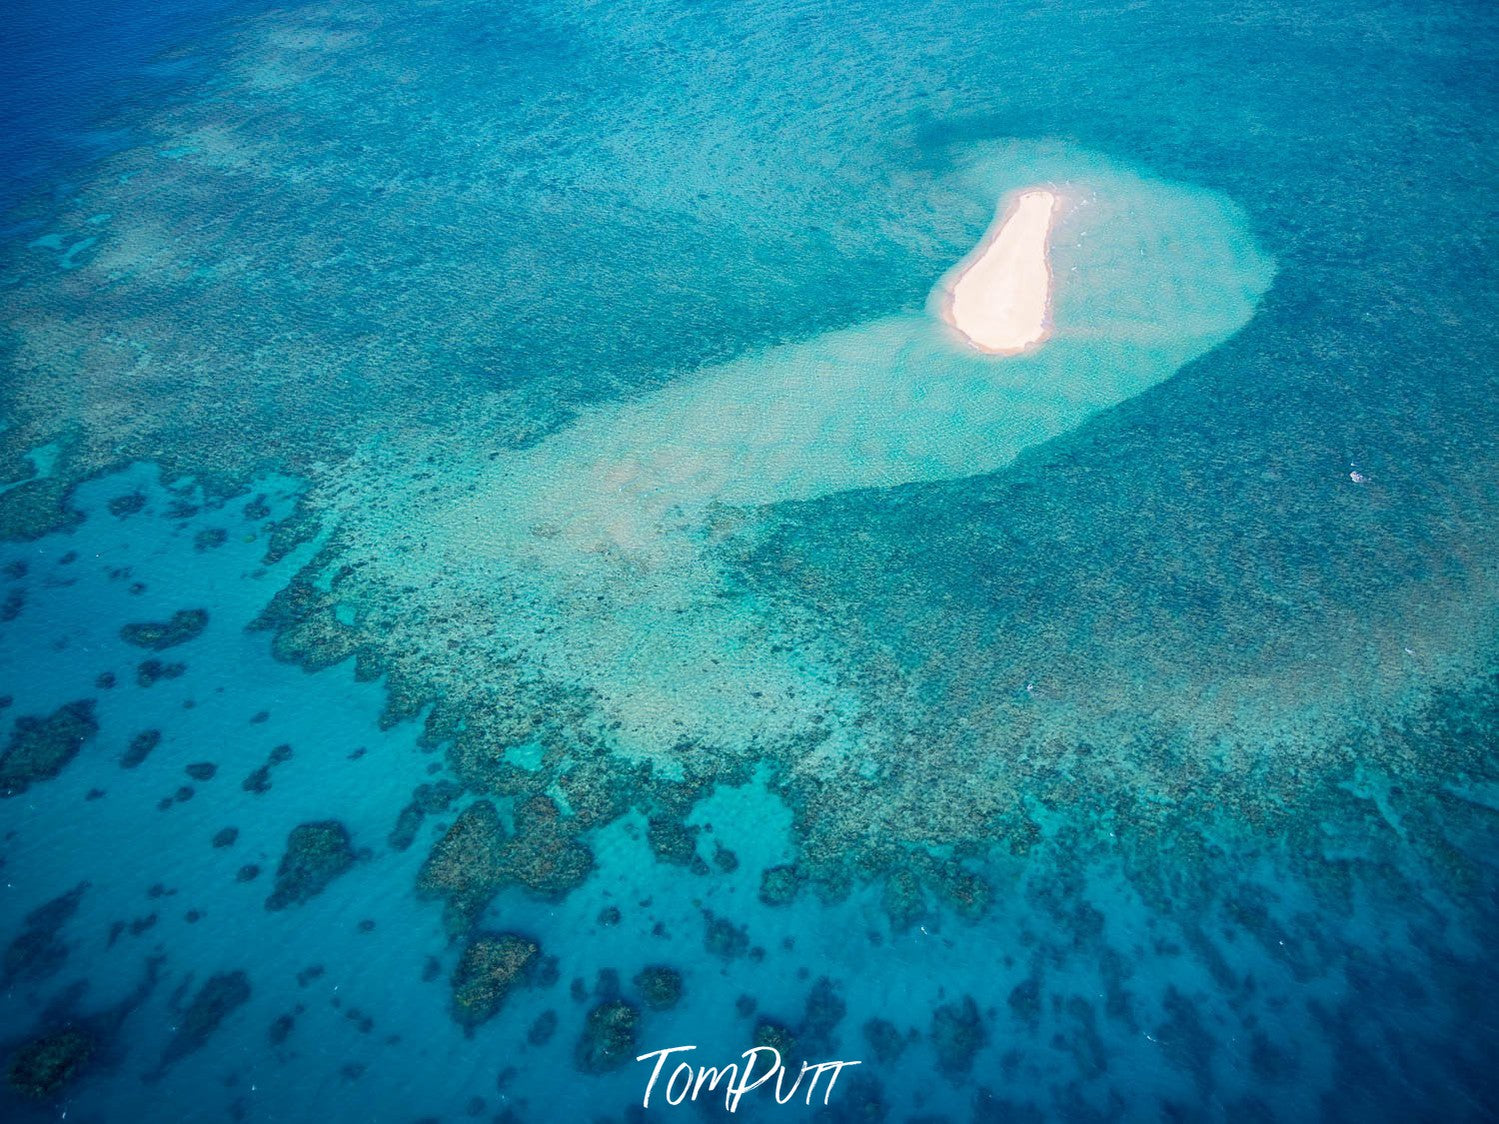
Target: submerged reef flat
(579, 581)
(883, 584)
(1096, 730)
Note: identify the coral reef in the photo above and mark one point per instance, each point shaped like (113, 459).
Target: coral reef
(492, 965)
(779, 885)
(885, 1039)
(660, 987)
(69, 1041)
(958, 1035)
(316, 853)
(43, 1065)
(259, 779)
(157, 636)
(608, 1039)
(152, 671)
(38, 951)
(770, 1032)
(218, 998)
(721, 937)
(281, 1028)
(545, 855)
(541, 1030)
(465, 867)
(903, 900)
(40, 748)
(140, 748)
(825, 1009)
(131, 503)
(426, 799)
(674, 842)
(476, 857)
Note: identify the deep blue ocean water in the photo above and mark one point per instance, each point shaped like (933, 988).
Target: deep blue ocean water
(71, 67)
(504, 572)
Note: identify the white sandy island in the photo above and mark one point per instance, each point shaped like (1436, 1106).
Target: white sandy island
(999, 298)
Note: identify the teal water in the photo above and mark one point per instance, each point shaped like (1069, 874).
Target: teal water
(633, 620)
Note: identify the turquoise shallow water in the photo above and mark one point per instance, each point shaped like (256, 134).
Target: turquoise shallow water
(505, 571)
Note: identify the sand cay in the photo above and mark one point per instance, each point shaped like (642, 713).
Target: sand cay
(999, 299)
(595, 557)
(1156, 274)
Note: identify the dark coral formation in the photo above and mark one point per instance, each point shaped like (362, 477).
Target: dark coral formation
(259, 779)
(128, 504)
(477, 856)
(36, 508)
(69, 1042)
(721, 937)
(608, 1040)
(426, 800)
(660, 986)
(45, 1064)
(140, 748)
(38, 951)
(885, 1039)
(824, 1011)
(153, 671)
(779, 885)
(958, 1034)
(297, 528)
(316, 853)
(281, 1028)
(157, 636)
(216, 1000)
(40, 748)
(903, 900)
(491, 966)
(675, 842)
(813, 1036)
(545, 855)
(724, 859)
(541, 1030)
(465, 867)
(770, 1032)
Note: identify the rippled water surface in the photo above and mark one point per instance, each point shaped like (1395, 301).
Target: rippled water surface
(505, 570)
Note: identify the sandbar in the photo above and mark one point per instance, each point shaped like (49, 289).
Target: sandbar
(999, 298)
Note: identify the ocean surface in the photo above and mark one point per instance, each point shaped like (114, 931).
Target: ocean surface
(504, 571)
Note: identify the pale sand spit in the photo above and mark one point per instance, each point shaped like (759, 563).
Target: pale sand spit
(999, 298)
